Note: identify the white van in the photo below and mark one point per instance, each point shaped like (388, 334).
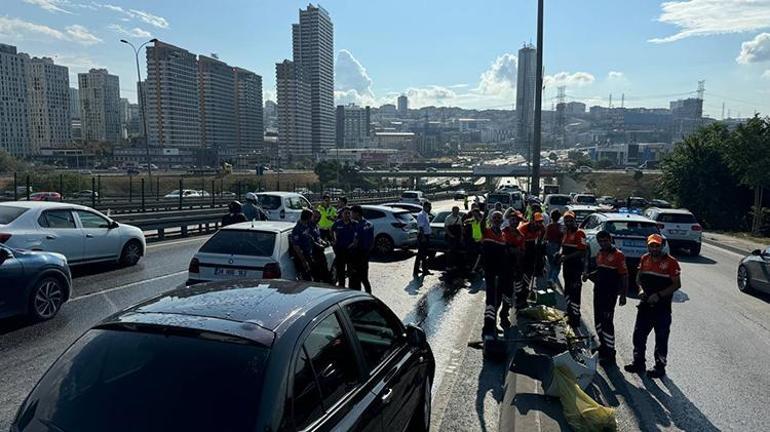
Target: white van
(283, 206)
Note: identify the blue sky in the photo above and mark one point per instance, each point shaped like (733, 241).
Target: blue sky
(458, 53)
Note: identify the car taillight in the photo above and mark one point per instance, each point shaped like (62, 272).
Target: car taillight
(661, 226)
(4, 237)
(271, 271)
(697, 227)
(195, 266)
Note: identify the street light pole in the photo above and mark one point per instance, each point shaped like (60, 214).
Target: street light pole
(142, 103)
(535, 184)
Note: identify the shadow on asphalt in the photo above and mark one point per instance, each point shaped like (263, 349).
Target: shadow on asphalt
(760, 295)
(395, 256)
(93, 269)
(10, 325)
(700, 259)
(491, 378)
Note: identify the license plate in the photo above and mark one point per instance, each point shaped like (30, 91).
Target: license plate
(677, 232)
(634, 243)
(219, 271)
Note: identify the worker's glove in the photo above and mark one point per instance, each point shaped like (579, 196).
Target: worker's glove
(622, 300)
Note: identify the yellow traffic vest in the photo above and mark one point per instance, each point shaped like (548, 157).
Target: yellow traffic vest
(476, 230)
(328, 216)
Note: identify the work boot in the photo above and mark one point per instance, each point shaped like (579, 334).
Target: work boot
(634, 367)
(657, 372)
(608, 362)
(505, 322)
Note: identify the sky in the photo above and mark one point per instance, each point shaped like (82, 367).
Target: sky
(442, 53)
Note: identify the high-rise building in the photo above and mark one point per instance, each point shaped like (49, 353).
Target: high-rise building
(48, 96)
(403, 105)
(271, 115)
(171, 97)
(217, 97)
(525, 99)
(575, 108)
(353, 126)
(294, 115)
(250, 126)
(100, 114)
(74, 103)
(14, 109)
(313, 65)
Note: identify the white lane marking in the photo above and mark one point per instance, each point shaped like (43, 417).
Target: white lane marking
(176, 242)
(727, 251)
(128, 285)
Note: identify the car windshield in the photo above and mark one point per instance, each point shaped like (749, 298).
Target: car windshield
(585, 199)
(405, 217)
(677, 218)
(502, 198)
(559, 200)
(117, 380)
(9, 213)
(409, 195)
(241, 242)
(441, 217)
(636, 229)
(269, 202)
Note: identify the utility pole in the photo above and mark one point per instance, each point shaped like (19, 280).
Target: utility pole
(142, 103)
(534, 186)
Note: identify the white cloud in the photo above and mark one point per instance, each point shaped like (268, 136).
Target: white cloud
(577, 79)
(615, 75)
(713, 17)
(351, 81)
(755, 50)
(500, 78)
(766, 74)
(154, 20)
(15, 28)
(432, 95)
(78, 33)
(135, 32)
(50, 5)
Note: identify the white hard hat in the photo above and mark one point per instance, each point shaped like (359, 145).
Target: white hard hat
(251, 196)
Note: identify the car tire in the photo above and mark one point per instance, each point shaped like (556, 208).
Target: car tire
(744, 280)
(131, 253)
(46, 298)
(695, 250)
(421, 418)
(383, 244)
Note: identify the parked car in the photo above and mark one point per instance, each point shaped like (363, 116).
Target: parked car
(34, 283)
(508, 198)
(606, 200)
(659, 203)
(393, 228)
(585, 199)
(754, 272)
(247, 250)
(431, 169)
(582, 211)
(585, 169)
(44, 196)
(80, 233)
(283, 206)
(556, 202)
(85, 194)
(412, 196)
(414, 209)
(438, 241)
(186, 194)
(680, 227)
(252, 355)
(460, 194)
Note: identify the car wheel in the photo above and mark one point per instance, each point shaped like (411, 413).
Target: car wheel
(46, 299)
(744, 280)
(695, 250)
(383, 244)
(421, 418)
(131, 253)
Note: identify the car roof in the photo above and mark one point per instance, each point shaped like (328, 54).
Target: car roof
(253, 309)
(577, 207)
(281, 194)
(44, 205)
(626, 217)
(384, 208)
(557, 195)
(670, 210)
(271, 226)
(584, 194)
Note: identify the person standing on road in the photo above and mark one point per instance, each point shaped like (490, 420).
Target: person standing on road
(423, 241)
(532, 260)
(302, 241)
(343, 232)
(234, 215)
(610, 278)
(659, 276)
(453, 229)
(515, 243)
(320, 267)
(499, 208)
(496, 265)
(553, 237)
(573, 251)
(342, 203)
(362, 249)
(252, 210)
(328, 215)
(474, 232)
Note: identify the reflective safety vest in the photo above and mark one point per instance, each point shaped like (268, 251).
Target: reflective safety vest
(328, 215)
(476, 230)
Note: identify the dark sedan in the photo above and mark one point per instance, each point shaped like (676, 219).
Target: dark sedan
(754, 272)
(33, 283)
(248, 355)
(438, 240)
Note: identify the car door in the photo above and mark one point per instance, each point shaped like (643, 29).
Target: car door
(759, 269)
(101, 242)
(59, 233)
(394, 370)
(11, 284)
(326, 388)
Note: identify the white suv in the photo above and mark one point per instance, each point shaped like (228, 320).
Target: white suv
(283, 206)
(393, 228)
(680, 227)
(414, 197)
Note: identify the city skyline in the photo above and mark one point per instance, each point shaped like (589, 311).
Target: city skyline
(650, 52)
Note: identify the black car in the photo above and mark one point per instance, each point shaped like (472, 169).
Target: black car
(248, 355)
(754, 272)
(35, 284)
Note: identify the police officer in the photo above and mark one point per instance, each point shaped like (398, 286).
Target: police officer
(328, 215)
(610, 278)
(342, 202)
(320, 267)
(344, 232)
(362, 249)
(252, 210)
(658, 277)
(573, 250)
(453, 229)
(302, 245)
(474, 232)
(423, 241)
(494, 253)
(235, 214)
(532, 261)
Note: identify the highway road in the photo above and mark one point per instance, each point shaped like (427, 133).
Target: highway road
(718, 359)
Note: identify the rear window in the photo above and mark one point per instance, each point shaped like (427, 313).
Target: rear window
(559, 200)
(637, 229)
(676, 218)
(241, 242)
(585, 199)
(409, 195)
(405, 217)
(441, 217)
(115, 380)
(269, 202)
(9, 213)
(499, 198)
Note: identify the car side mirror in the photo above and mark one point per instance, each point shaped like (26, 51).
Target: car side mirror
(756, 252)
(416, 337)
(113, 225)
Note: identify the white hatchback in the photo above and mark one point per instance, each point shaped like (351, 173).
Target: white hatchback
(80, 233)
(680, 227)
(247, 250)
(283, 206)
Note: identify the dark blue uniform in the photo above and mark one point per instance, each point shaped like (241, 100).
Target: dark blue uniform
(344, 235)
(360, 256)
(302, 236)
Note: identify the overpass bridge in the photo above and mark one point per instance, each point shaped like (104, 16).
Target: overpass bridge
(479, 171)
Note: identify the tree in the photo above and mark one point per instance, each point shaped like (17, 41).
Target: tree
(747, 153)
(696, 176)
(8, 163)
